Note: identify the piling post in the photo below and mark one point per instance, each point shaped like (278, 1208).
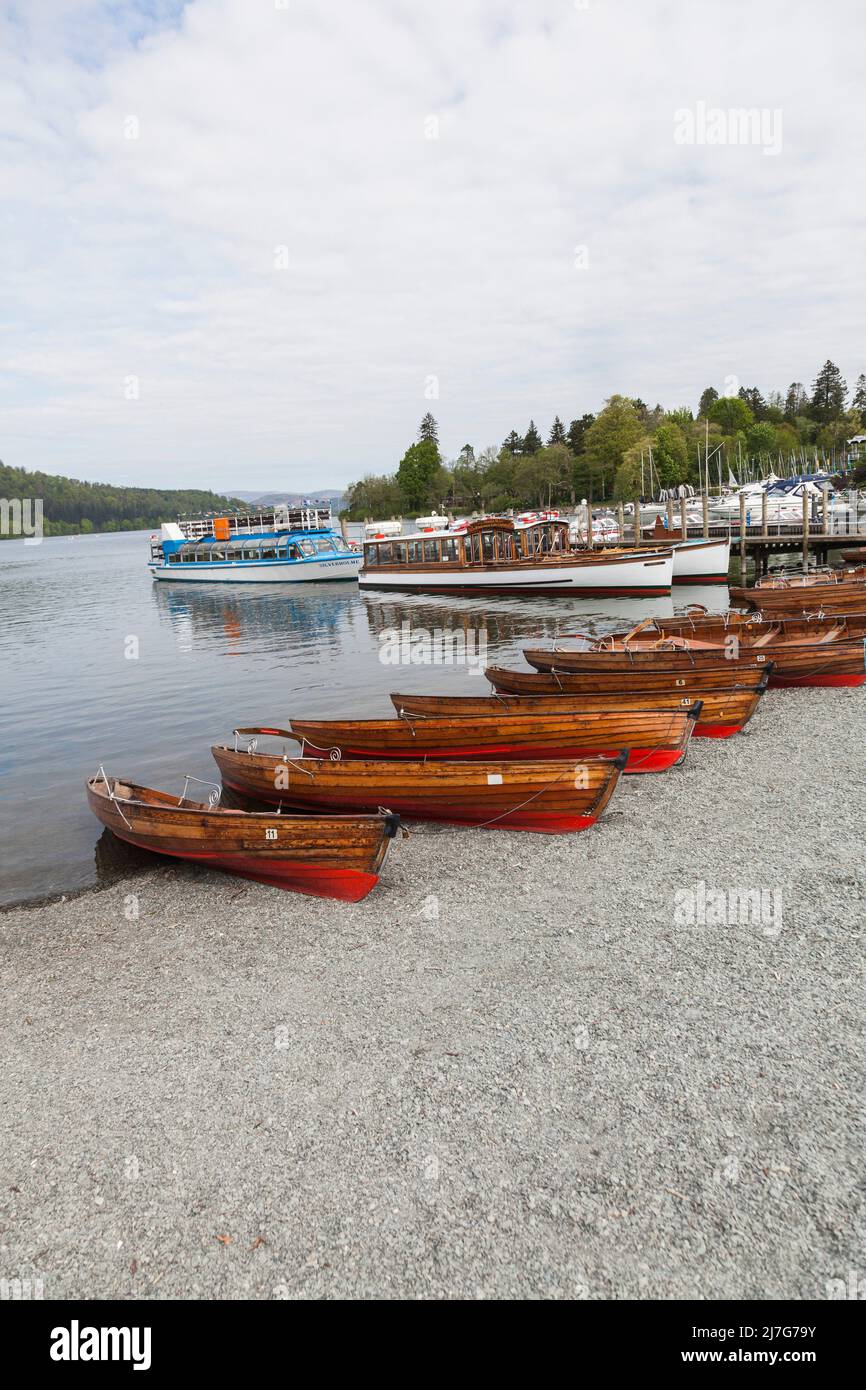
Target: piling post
(620, 521)
(743, 537)
(706, 504)
(805, 530)
(825, 509)
(344, 527)
(637, 534)
(764, 526)
(670, 514)
(683, 521)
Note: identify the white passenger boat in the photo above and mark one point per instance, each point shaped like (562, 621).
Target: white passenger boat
(280, 546)
(701, 561)
(495, 555)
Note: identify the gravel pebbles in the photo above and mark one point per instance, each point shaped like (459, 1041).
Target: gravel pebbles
(516, 1070)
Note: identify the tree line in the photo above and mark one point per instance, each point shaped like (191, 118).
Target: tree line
(71, 507)
(627, 449)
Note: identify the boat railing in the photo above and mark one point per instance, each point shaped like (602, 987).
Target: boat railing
(213, 795)
(279, 518)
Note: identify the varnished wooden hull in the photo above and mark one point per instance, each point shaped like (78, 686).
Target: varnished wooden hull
(694, 684)
(722, 713)
(797, 598)
(795, 663)
(332, 857)
(753, 626)
(655, 739)
(635, 660)
(552, 797)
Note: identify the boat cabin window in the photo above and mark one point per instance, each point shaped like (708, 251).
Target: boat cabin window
(324, 546)
(449, 551)
(385, 552)
(202, 553)
(538, 540)
(250, 552)
(431, 551)
(400, 552)
(216, 553)
(174, 558)
(307, 547)
(483, 552)
(415, 552)
(269, 552)
(294, 553)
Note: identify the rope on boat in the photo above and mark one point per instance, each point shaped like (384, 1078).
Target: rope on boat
(112, 798)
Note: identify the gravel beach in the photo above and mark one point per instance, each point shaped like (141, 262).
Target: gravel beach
(515, 1070)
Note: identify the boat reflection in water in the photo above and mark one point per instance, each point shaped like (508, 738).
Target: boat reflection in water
(265, 619)
(485, 630)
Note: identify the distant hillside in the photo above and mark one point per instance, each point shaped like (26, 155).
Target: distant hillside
(294, 499)
(70, 506)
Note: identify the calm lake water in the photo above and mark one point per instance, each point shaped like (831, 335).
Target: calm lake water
(209, 657)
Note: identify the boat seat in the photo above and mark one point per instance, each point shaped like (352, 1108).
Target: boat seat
(121, 789)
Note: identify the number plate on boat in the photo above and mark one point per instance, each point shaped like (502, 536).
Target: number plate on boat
(494, 778)
(270, 834)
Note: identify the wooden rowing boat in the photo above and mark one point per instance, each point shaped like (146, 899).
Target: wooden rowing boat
(552, 797)
(722, 713)
(756, 625)
(693, 683)
(606, 656)
(828, 591)
(325, 856)
(655, 739)
(827, 658)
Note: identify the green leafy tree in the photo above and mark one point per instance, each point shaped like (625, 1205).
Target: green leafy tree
(631, 476)
(544, 477)
(576, 435)
(859, 400)
(760, 438)
(614, 430)
(828, 394)
(375, 497)
(731, 413)
(707, 398)
(418, 467)
(499, 482)
(670, 455)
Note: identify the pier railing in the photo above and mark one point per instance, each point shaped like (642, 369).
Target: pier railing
(756, 529)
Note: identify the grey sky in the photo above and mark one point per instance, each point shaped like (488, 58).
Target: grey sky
(433, 172)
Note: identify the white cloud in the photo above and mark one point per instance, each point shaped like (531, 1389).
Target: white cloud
(306, 128)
